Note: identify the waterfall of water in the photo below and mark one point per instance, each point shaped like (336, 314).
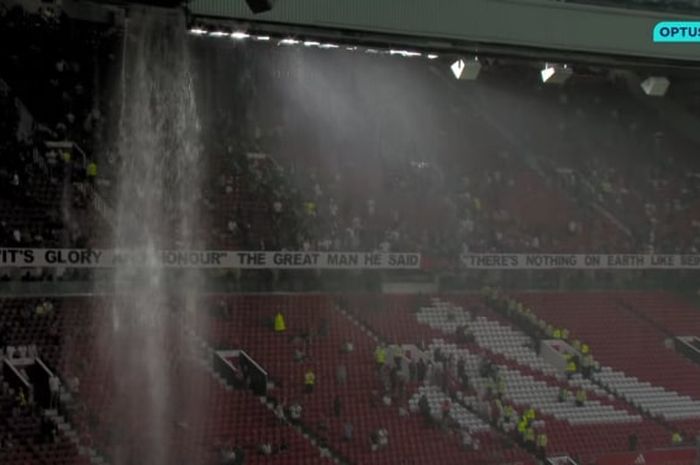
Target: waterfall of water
(158, 192)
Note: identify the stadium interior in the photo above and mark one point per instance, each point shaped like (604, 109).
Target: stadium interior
(233, 241)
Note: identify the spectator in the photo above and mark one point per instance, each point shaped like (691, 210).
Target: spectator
(424, 408)
(280, 325)
(341, 374)
(309, 381)
(279, 412)
(380, 356)
(265, 449)
(91, 172)
(530, 440)
(337, 406)
(542, 446)
(323, 328)
(32, 351)
(232, 456)
(347, 431)
(467, 441)
(295, 413)
(54, 389)
(323, 427)
(299, 355)
(379, 439)
(445, 409)
(421, 370)
(632, 442)
(348, 347)
(676, 439)
(7, 442)
(564, 395)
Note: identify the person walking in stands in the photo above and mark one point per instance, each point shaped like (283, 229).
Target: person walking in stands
(581, 397)
(380, 357)
(585, 349)
(542, 446)
(522, 428)
(309, 381)
(530, 415)
(530, 439)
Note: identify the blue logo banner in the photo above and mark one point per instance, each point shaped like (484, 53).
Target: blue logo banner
(677, 31)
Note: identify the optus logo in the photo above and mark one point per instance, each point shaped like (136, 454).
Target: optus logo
(677, 31)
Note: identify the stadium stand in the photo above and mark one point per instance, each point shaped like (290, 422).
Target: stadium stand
(637, 365)
(494, 200)
(566, 425)
(620, 400)
(379, 379)
(306, 317)
(243, 420)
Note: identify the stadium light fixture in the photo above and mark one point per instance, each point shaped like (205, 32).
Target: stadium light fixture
(466, 70)
(655, 86)
(404, 53)
(470, 71)
(555, 73)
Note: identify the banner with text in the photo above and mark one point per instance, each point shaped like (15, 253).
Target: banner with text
(484, 261)
(93, 258)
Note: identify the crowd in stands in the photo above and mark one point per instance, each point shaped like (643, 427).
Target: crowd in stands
(596, 173)
(50, 125)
